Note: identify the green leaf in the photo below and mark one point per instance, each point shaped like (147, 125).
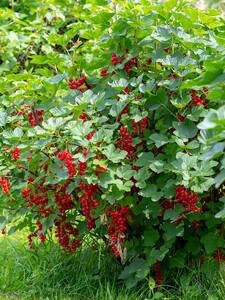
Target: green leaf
(144, 159)
(211, 242)
(12, 230)
(71, 187)
(185, 130)
(2, 219)
(173, 214)
(114, 154)
(16, 134)
(59, 111)
(60, 173)
(151, 235)
(216, 149)
(213, 117)
(146, 87)
(177, 60)
(3, 117)
(170, 4)
(180, 101)
(134, 272)
(158, 295)
(56, 79)
(37, 131)
(156, 166)
(221, 214)
(40, 59)
(155, 101)
(159, 139)
(193, 245)
(98, 2)
(209, 77)
(150, 191)
(117, 108)
(114, 196)
(171, 230)
(220, 178)
(119, 84)
(142, 174)
(125, 172)
(135, 81)
(53, 123)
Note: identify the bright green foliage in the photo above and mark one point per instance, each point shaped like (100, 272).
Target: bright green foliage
(112, 125)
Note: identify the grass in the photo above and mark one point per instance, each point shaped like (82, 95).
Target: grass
(51, 273)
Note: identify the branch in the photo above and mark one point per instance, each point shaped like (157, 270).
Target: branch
(35, 115)
(9, 208)
(33, 173)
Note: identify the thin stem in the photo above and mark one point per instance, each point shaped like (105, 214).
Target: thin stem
(33, 110)
(48, 155)
(172, 44)
(33, 173)
(155, 47)
(169, 110)
(9, 208)
(136, 43)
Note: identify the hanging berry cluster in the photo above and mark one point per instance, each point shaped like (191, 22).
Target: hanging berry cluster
(5, 185)
(220, 255)
(116, 60)
(70, 165)
(158, 277)
(88, 202)
(66, 234)
(116, 230)
(31, 117)
(187, 199)
(77, 83)
(104, 73)
(35, 234)
(198, 98)
(16, 153)
(184, 198)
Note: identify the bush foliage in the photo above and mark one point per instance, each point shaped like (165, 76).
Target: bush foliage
(112, 127)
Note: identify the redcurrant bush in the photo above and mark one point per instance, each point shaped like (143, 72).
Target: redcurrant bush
(120, 136)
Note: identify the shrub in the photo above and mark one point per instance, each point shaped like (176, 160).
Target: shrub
(111, 138)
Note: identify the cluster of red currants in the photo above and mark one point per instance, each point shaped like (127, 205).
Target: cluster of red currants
(41, 235)
(130, 64)
(39, 198)
(70, 165)
(32, 120)
(158, 274)
(88, 202)
(187, 199)
(125, 143)
(62, 199)
(166, 204)
(124, 111)
(76, 84)
(104, 73)
(220, 255)
(82, 167)
(127, 66)
(118, 228)
(16, 153)
(197, 99)
(64, 230)
(116, 60)
(5, 185)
